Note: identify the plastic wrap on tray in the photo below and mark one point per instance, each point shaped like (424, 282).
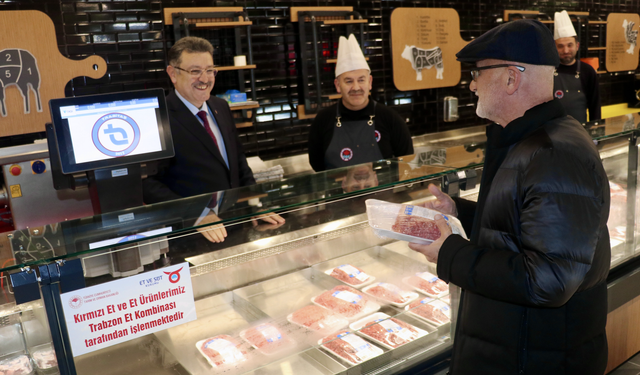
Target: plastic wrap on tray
(44, 357)
(18, 365)
(428, 283)
(343, 300)
(221, 350)
(317, 318)
(350, 347)
(390, 293)
(435, 312)
(390, 332)
(350, 274)
(407, 222)
(266, 338)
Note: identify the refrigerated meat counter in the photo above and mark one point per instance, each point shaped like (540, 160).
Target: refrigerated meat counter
(261, 296)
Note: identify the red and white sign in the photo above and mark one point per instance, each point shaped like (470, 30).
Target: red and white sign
(107, 314)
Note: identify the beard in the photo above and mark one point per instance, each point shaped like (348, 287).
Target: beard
(568, 59)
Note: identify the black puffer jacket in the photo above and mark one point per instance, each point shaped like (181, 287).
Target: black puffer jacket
(534, 297)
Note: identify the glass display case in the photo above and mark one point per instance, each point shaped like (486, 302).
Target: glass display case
(320, 293)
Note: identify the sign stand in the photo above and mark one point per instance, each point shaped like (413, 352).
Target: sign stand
(65, 275)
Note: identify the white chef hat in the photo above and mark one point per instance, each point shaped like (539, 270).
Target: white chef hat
(563, 27)
(350, 56)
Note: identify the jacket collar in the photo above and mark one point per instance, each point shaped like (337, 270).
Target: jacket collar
(522, 127)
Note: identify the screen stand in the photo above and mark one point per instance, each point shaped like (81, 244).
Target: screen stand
(115, 189)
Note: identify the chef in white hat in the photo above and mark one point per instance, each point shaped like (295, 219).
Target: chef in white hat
(575, 83)
(356, 129)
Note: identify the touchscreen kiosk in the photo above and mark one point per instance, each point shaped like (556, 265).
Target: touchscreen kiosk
(103, 140)
(109, 130)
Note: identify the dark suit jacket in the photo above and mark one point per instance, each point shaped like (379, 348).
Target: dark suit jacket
(198, 166)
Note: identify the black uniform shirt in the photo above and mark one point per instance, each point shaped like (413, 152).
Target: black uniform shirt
(590, 85)
(395, 139)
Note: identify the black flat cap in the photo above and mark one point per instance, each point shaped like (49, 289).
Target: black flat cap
(525, 41)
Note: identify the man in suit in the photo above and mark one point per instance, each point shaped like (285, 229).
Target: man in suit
(208, 153)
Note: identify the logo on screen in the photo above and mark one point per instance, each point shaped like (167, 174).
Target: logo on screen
(116, 134)
(133, 237)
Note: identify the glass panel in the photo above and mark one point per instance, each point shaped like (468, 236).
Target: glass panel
(255, 296)
(264, 274)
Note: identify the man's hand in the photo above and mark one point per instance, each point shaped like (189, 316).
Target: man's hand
(432, 250)
(273, 221)
(213, 233)
(443, 203)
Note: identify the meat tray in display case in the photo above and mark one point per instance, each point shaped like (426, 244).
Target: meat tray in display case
(319, 294)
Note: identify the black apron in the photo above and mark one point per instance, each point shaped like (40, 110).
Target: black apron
(353, 142)
(568, 88)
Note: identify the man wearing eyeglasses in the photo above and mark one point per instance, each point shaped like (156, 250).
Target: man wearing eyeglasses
(533, 272)
(208, 153)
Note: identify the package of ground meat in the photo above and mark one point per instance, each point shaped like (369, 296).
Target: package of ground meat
(390, 294)
(427, 283)
(221, 351)
(407, 222)
(433, 311)
(351, 275)
(44, 357)
(346, 301)
(318, 319)
(386, 331)
(349, 347)
(18, 365)
(267, 338)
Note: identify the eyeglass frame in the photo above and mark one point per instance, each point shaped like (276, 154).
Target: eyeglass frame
(476, 72)
(215, 71)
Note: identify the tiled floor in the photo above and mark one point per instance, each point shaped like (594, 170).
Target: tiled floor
(631, 367)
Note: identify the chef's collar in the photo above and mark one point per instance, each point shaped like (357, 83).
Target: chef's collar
(347, 114)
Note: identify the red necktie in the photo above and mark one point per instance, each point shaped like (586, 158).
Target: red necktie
(203, 117)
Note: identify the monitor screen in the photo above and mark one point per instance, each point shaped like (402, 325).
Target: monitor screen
(109, 130)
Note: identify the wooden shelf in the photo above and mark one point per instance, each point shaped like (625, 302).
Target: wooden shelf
(293, 11)
(233, 67)
(222, 24)
(168, 12)
(240, 125)
(597, 22)
(241, 107)
(507, 13)
(302, 115)
(602, 72)
(332, 96)
(343, 22)
(333, 61)
(596, 48)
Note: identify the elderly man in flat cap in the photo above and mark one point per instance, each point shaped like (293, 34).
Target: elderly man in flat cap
(356, 130)
(533, 274)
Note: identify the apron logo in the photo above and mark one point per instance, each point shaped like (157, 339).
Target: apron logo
(377, 133)
(559, 94)
(346, 154)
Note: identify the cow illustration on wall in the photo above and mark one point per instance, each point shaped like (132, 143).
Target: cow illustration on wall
(19, 67)
(424, 59)
(630, 35)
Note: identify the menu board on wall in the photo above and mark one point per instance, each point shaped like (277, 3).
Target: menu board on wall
(622, 46)
(32, 71)
(424, 42)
